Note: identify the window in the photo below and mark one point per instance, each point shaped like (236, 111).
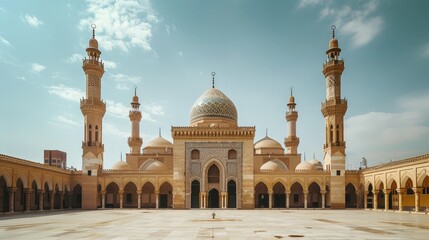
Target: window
(330, 134)
(89, 172)
(195, 154)
(338, 172)
(213, 174)
(90, 135)
(96, 133)
(232, 154)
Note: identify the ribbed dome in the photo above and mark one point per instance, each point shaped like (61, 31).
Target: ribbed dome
(159, 142)
(318, 166)
(305, 166)
(153, 165)
(213, 104)
(273, 165)
(121, 166)
(268, 142)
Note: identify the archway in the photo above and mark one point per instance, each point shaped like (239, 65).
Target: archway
(148, 195)
(380, 196)
(166, 196)
(393, 196)
(77, 197)
(261, 196)
(314, 198)
(351, 198)
(213, 174)
(408, 201)
(279, 196)
(35, 197)
(130, 195)
(232, 194)
(4, 195)
(296, 196)
(213, 198)
(47, 197)
(369, 197)
(20, 197)
(112, 195)
(424, 198)
(57, 197)
(99, 196)
(195, 194)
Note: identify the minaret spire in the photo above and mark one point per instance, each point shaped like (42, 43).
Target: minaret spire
(291, 141)
(213, 79)
(135, 141)
(333, 31)
(93, 30)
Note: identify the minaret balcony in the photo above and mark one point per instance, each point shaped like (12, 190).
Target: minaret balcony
(133, 141)
(334, 144)
(91, 105)
(334, 106)
(332, 62)
(92, 64)
(291, 115)
(93, 145)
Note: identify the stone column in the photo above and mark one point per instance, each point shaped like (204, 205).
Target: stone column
(386, 199)
(270, 199)
(11, 199)
(41, 199)
(121, 199)
(28, 192)
(417, 198)
(375, 200)
(400, 191)
(204, 199)
(103, 199)
(62, 200)
(52, 200)
(139, 199)
(305, 198)
(287, 198)
(70, 193)
(365, 199)
(323, 193)
(156, 199)
(358, 199)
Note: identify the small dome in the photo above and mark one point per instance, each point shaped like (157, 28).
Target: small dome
(268, 142)
(213, 104)
(305, 166)
(153, 165)
(121, 165)
(93, 43)
(333, 43)
(291, 99)
(273, 165)
(318, 166)
(159, 142)
(135, 99)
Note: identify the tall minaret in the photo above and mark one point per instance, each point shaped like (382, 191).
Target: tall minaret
(93, 109)
(135, 141)
(333, 110)
(291, 141)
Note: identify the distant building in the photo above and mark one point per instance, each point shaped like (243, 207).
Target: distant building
(55, 158)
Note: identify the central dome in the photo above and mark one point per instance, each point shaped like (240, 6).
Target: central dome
(214, 106)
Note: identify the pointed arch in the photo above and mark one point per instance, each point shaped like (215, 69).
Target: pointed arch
(261, 195)
(165, 195)
(130, 195)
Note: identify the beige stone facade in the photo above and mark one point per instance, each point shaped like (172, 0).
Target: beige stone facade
(214, 162)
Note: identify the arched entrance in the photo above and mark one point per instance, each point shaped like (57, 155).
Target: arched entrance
(35, 197)
(408, 199)
(393, 196)
(77, 197)
(380, 196)
(213, 198)
(148, 195)
(279, 196)
(261, 196)
(195, 194)
(112, 195)
(4, 195)
(351, 197)
(232, 194)
(296, 196)
(314, 198)
(47, 197)
(370, 197)
(20, 197)
(130, 195)
(166, 196)
(57, 197)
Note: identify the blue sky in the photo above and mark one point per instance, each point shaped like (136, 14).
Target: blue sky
(258, 49)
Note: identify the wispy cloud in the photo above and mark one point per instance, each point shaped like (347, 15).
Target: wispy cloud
(76, 57)
(109, 64)
(111, 129)
(123, 81)
(381, 136)
(154, 109)
(68, 93)
(64, 119)
(119, 110)
(4, 41)
(37, 68)
(121, 24)
(362, 25)
(426, 50)
(32, 20)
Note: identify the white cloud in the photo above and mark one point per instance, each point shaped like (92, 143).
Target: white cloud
(154, 109)
(381, 136)
(63, 119)
(4, 41)
(123, 81)
(305, 3)
(32, 20)
(37, 68)
(426, 50)
(76, 57)
(119, 110)
(109, 64)
(68, 93)
(111, 129)
(180, 53)
(121, 24)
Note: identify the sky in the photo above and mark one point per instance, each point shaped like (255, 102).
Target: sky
(258, 49)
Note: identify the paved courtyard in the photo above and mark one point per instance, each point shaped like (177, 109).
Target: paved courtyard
(228, 224)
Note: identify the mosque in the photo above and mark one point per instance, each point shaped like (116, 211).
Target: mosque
(214, 162)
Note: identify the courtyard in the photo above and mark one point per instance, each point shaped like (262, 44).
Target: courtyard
(227, 224)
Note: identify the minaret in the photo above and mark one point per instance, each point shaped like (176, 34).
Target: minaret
(93, 109)
(333, 109)
(291, 141)
(135, 141)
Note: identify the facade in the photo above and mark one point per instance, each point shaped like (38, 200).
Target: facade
(55, 158)
(214, 162)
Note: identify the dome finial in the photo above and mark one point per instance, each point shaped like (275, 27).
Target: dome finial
(266, 132)
(159, 132)
(213, 75)
(93, 30)
(333, 31)
(135, 90)
(121, 155)
(291, 91)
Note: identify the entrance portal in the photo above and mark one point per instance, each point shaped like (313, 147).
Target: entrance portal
(213, 198)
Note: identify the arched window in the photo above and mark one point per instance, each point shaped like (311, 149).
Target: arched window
(232, 154)
(96, 133)
(338, 134)
(90, 134)
(213, 174)
(409, 187)
(195, 154)
(331, 134)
